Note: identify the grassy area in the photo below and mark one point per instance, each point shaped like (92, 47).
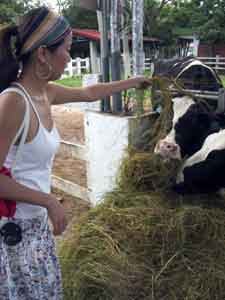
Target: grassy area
(74, 81)
(223, 80)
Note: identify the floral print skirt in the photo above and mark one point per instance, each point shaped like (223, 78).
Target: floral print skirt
(30, 269)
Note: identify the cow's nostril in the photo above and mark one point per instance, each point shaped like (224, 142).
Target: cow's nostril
(175, 147)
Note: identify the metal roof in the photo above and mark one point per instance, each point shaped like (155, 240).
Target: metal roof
(95, 35)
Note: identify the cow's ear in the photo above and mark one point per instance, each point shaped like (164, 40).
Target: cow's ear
(204, 118)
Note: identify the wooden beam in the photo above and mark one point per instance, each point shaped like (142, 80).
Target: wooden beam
(89, 4)
(70, 188)
(74, 150)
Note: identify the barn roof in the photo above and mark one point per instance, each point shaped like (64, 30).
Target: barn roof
(87, 33)
(95, 35)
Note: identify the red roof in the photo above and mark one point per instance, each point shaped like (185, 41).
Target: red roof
(88, 33)
(95, 35)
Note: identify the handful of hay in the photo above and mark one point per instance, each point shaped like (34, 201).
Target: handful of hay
(144, 242)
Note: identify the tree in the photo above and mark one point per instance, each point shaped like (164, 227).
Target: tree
(212, 25)
(10, 10)
(157, 19)
(78, 17)
(205, 18)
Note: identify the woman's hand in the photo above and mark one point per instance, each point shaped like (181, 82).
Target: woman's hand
(56, 214)
(142, 82)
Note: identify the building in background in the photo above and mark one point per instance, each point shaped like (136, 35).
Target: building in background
(86, 43)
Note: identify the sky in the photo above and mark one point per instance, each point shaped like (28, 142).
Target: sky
(51, 3)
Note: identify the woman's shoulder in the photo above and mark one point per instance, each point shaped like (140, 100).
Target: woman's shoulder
(12, 97)
(11, 103)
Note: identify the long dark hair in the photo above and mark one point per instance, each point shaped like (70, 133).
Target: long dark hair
(9, 65)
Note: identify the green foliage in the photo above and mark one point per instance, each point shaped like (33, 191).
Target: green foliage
(10, 10)
(205, 18)
(79, 17)
(164, 19)
(223, 80)
(156, 20)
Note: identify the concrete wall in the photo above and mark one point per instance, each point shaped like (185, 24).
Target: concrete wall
(106, 138)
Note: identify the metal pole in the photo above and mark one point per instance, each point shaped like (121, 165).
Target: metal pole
(115, 52)
(105, 51)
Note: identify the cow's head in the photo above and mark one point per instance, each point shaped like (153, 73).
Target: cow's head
(191, 122)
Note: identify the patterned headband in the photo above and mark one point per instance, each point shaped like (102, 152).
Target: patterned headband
(46, 29)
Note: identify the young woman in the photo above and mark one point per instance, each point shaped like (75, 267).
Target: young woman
(42, 40)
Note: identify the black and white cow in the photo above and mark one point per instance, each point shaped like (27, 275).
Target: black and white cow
(198, 136)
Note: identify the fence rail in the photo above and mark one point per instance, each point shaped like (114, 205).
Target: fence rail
(76, 151)
(217, 62)
(79, 66)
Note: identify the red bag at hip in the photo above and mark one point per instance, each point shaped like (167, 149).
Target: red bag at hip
(7, 207)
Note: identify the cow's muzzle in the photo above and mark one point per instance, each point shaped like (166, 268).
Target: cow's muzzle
(168, 150)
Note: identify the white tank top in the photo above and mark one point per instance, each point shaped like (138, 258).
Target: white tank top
(34, 165)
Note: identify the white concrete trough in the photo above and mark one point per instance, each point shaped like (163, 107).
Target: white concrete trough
(107, 137)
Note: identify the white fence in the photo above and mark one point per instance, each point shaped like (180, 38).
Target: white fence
(77, 67)
(217, 62)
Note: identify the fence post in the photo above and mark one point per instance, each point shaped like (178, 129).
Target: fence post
(221, 101)
(70, 68)
(217, 62)
(87, 64)
(78, 66)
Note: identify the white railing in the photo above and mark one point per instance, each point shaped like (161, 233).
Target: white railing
(78, 152)
(217, 62)
(79, 66)
(76, 67)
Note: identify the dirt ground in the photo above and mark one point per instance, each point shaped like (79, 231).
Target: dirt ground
(70, 125)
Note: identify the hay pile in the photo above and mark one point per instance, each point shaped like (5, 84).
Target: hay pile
(146, 243)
